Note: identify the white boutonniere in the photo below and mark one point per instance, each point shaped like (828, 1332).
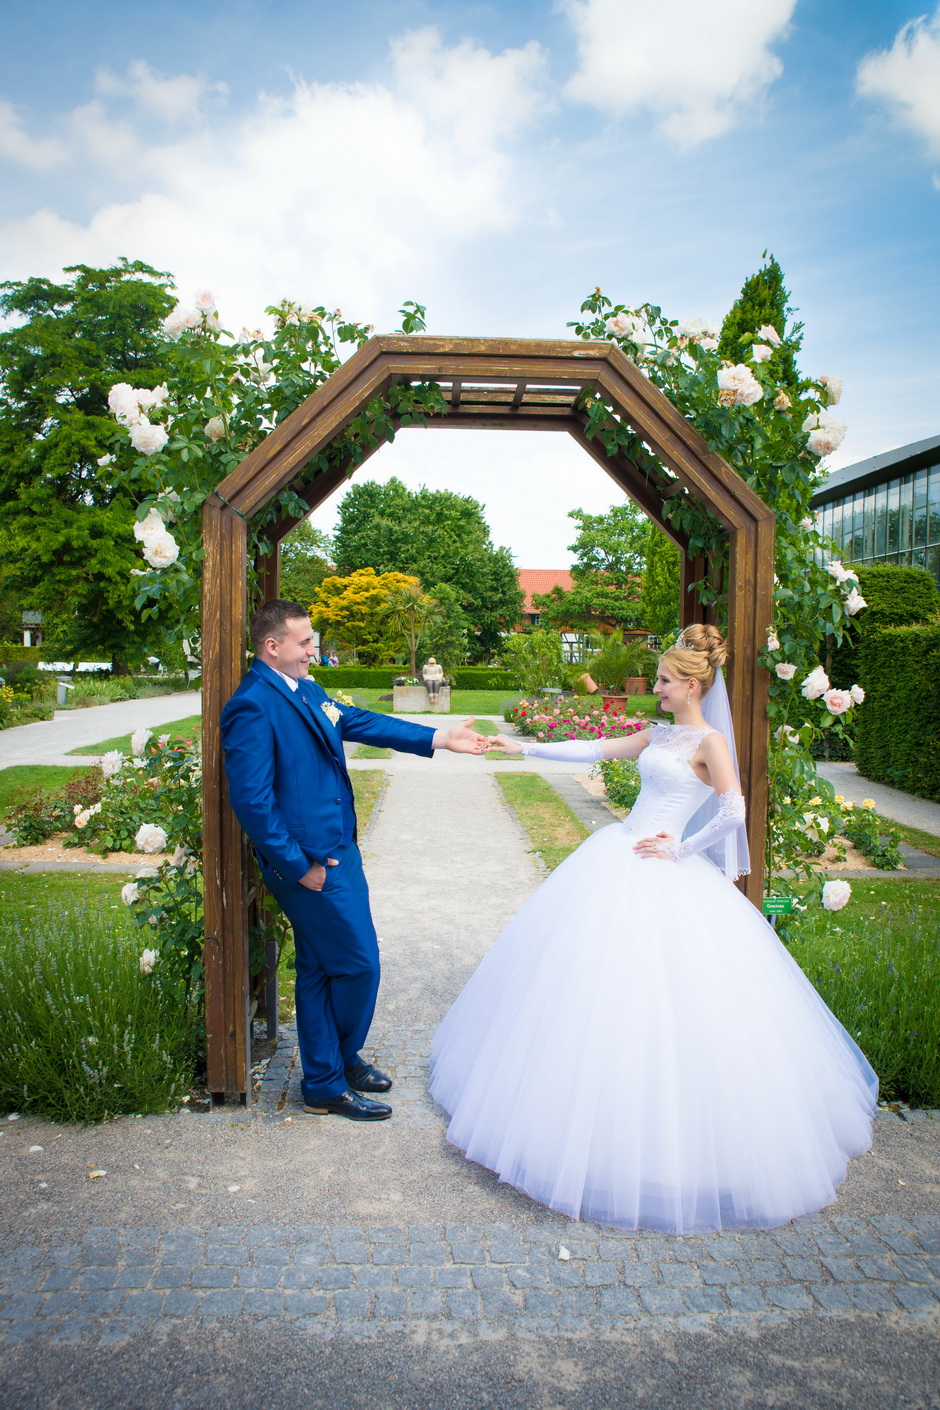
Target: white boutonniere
(331, 712)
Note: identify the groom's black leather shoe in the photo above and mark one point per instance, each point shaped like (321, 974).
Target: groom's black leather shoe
(366, 1078)
(351, 1105)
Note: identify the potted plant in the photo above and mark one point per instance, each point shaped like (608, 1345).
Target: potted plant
(621, 670)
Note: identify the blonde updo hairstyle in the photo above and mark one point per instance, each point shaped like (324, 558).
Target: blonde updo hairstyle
(698, 654)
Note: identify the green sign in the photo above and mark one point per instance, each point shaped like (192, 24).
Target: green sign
(777, 905)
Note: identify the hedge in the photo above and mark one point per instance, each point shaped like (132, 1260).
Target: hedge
(10, 653)
(896, 597)
(381, 677)
(898, 732)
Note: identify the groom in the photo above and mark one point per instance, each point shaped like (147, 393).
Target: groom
(283, 741)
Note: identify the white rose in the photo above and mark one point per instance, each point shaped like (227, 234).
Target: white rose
(769, 334)
(130, 893)
(205, 303)
(150, 838)
(180, 857)
(175, 324)
(626, 325)
(148, 959)
(837, 701)
(147, 439)
(837, 570)
(105, 460)
(832, 387)
(163, 740)
(826, 434)
(785, 671)
(782, 402)
(82, 818)
(815, 684)
(148, 397)
(150, 527)
(140, 738)
(122, 400)
(857, 694)
(215, 428)
(192, 318)
(112, 763)
(772, 643)
(760, 352)
(854, 602)
(808, 523)
(835, 895)
(147, 873)
(161, 550)
(787, 734)
(708, 344)
(739, 386)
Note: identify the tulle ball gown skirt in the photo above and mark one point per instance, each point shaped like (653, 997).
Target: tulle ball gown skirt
(639, 1049)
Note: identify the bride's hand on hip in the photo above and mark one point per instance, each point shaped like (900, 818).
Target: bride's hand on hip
(658, 846)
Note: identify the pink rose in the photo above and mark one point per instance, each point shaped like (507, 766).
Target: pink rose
(857, 694)
(785, 670)
(837, 701)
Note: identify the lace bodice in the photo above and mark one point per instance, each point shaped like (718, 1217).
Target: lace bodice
(670, 793)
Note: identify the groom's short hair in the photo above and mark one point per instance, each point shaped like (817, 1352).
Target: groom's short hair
(271, 619)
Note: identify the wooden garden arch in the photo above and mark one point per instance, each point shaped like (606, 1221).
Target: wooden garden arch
(501, 384)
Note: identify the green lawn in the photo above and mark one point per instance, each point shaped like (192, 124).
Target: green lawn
(21, 892)
(924, 841)
(26, 778)
(187, 728)
(552, 827)
(371, 751)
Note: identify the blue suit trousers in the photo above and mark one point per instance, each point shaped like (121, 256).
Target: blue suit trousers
(337, 957)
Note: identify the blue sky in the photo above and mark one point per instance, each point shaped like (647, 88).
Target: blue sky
(496, 162)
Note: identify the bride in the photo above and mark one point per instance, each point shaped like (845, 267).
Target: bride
(638, 1048)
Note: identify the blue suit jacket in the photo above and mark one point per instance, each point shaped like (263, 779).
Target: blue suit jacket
(286, 770)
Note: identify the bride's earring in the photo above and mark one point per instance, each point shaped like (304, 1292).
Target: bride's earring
(688, 696)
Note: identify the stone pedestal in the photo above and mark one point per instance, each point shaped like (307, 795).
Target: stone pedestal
(413, 700)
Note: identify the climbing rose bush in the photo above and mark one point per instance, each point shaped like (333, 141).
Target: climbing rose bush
(774, 437)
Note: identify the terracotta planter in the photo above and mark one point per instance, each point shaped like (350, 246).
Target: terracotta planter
(615, 703)
(636, 685)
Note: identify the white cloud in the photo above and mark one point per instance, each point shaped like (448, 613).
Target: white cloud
(181, 98)
(698, 65)
(906, 78)
(37, 153)
(338, 192)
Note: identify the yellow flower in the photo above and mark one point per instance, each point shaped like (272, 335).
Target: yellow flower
(813, 802)
(868, 803)
(331, 712)
(839, 798)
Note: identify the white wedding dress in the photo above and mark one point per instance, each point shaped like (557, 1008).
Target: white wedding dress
(639, 1049)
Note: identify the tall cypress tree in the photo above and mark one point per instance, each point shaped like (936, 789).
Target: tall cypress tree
(763, 300)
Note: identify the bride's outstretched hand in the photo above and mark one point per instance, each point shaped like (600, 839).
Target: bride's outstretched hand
(502, 744)
(658, 846)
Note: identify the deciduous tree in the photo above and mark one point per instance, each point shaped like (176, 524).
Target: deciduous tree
(607, 576)
(66, 515)
(439, 537)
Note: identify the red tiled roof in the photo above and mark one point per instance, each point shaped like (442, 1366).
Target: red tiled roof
(534, 580)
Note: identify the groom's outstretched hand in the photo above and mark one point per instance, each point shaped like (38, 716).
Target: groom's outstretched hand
(461, 739)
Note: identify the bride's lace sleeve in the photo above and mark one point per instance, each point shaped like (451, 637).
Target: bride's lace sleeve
(730, 815)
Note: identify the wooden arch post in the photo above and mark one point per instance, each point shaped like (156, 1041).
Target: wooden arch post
(525, 385)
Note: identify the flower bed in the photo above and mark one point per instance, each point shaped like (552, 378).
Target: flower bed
(578, 720)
